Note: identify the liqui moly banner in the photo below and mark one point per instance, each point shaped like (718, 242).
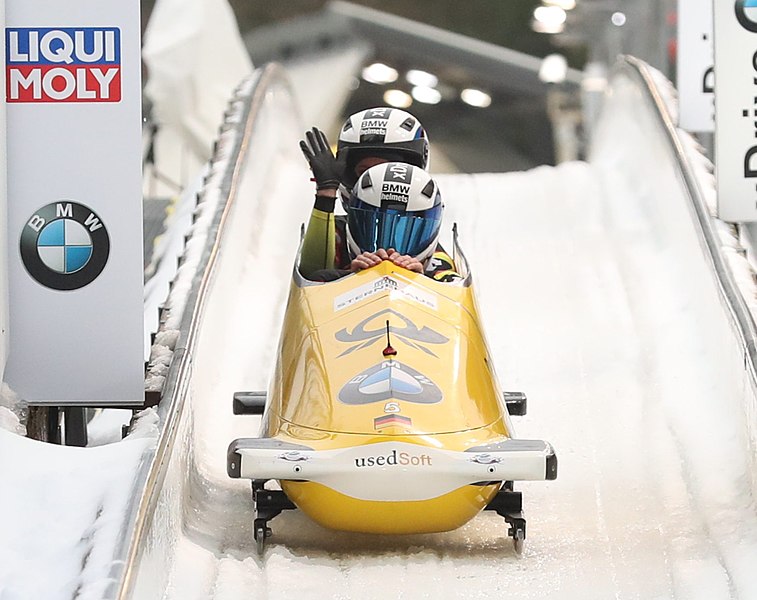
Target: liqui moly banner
(73, 102)
(69, 64)
(696, 74)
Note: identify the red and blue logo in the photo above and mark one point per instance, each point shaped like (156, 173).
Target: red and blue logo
(69, 64)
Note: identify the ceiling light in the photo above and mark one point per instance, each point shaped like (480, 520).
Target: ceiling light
(549, 19)
(564, 4)
(550, 16)
(553, 69)
(421, 78)
(475, 98)
(427, 95)
(397, 98)
(618, 19)
(379, 73)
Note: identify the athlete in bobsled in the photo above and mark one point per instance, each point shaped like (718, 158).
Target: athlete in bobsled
(394, 213)
(367, 138)
(384, 413)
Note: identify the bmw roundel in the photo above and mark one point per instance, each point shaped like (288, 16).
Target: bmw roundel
(64, 245)
(746, 13)
(390, 380)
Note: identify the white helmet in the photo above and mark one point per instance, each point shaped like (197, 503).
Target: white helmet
(382, 132)
(395, 205)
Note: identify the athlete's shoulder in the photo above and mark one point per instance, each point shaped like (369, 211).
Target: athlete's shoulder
(441, 267)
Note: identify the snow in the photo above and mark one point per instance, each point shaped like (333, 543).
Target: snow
(61, 515)
(12, 411)
(105, 426)
(9, 421)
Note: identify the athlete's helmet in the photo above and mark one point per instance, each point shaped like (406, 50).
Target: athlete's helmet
(383, 132)
(395, 205)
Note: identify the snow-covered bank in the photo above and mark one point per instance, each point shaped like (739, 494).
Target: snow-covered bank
(62, 514)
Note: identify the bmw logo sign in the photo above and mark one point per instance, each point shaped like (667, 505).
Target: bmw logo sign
(64, 245)
(746, 13)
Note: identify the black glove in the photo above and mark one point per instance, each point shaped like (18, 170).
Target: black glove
(327, 170)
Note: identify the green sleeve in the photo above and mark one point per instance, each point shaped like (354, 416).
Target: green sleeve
(319, 244)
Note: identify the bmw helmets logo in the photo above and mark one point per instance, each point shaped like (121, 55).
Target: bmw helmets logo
(746, 13)
(64, 245)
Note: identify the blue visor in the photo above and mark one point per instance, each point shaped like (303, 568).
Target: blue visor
(407, 232)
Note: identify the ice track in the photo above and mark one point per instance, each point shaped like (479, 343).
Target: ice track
(583, 312)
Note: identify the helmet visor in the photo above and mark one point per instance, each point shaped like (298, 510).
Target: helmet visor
(407, 232)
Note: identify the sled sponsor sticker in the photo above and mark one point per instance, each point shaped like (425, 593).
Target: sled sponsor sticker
(390, 380)
(394, 458)
(377, 286)
(364, 335)
(67, 64)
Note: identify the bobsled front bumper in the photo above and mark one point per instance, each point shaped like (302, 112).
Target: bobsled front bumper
(392, 471)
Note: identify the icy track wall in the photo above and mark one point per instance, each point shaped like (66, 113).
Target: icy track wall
(637, 146)
(266, 161)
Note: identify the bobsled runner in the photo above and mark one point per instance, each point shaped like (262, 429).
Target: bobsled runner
(384, 414)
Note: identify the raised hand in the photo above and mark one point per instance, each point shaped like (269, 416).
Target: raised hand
(327, 170)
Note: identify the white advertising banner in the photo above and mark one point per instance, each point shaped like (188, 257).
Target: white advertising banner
(3, 220)
(736, 109)
(73, 102)
(696, 77)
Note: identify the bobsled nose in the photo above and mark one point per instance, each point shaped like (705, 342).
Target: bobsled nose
(393, 471)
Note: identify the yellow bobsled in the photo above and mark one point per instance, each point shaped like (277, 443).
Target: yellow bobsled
(384, 414)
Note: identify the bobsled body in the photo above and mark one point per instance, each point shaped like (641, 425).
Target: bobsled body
(384, 413)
